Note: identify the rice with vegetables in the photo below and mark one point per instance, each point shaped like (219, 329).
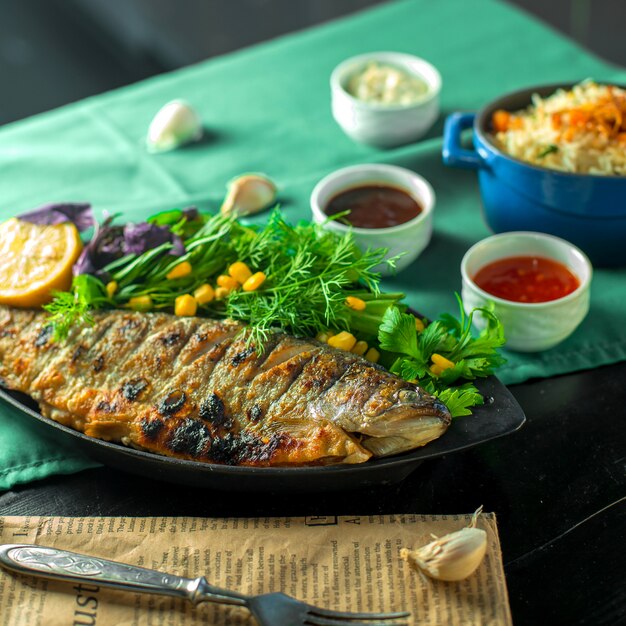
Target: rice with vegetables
(582, 130)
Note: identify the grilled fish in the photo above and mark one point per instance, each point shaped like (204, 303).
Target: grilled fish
(194, 388)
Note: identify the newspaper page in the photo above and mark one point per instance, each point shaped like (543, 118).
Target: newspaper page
(343, 563)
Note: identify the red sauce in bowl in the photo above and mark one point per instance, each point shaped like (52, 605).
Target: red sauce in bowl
(527, 279)
(374, 206)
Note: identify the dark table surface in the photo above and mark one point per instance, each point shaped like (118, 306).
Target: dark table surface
(557, 487)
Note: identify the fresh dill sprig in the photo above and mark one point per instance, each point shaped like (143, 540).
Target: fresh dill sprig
(310, 272)
(73, 308)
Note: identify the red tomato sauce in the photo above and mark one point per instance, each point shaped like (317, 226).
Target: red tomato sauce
(526, 279)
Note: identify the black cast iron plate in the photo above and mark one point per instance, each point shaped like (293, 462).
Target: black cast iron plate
(500, 416)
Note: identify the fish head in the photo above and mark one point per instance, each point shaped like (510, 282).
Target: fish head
(395, 418)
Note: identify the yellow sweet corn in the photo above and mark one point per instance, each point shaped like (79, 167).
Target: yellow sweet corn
(360, 348)
(179, 271)
(343, 340)
(419, 325)
(356, 304)
(185, 305)
(228, 282)
(325, 335)
(203, 294)
(140, 303)
(441, 361)
(240, 272)
(254, 282)
(372, 355)
(221, 293)
(111, 288)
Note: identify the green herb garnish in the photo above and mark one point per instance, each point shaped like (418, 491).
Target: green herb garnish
(473, 357)
(548, 150)
(72, 308)
(309, 270)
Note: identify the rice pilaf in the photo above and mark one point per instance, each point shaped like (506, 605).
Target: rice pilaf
(582, 130)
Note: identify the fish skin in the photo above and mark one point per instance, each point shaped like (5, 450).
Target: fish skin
(193, 388)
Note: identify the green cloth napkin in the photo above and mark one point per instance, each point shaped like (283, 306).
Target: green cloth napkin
(267, 109)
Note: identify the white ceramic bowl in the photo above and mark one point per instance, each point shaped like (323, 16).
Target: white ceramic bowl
(409, 238)
(384, 125)
(529, 327)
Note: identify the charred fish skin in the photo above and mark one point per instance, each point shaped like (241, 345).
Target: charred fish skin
(195, 388)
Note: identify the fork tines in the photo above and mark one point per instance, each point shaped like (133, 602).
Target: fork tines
(326, 617)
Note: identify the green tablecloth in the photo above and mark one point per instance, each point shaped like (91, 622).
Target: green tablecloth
(268, 109)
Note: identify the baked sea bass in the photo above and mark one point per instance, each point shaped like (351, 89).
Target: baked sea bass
(193, 388)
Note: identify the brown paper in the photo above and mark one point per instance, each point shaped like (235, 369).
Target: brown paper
(345, 563)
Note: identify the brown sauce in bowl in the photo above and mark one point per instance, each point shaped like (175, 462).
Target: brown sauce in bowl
(374, 206)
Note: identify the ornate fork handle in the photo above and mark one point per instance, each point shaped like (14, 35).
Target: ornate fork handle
(73, 567)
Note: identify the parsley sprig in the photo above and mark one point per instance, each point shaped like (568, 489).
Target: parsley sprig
(473, 357)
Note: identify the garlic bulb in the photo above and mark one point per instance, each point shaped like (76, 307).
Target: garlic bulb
(248, 194)
(452, 557)
(175, 124)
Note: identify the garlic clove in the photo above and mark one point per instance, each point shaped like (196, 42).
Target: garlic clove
(248, 194)
(452, 557)
(175, 124)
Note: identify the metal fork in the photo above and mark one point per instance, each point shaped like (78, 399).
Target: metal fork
(270, 609)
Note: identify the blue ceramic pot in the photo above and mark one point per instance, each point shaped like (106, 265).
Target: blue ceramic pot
(588, 210)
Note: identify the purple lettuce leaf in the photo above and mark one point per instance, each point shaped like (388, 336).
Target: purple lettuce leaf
(110, 243)
(138, 238)
(106, 245)
(79, 213)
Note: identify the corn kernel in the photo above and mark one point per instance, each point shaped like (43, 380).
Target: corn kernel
(203, 294)
(372, 355)
(179, 271)
(441, 361)
(111, 288)
(343, 340)
(254, 282)
(221, 293)
(436, 369)
(240, 272)
(185, 305)
(227, 282)
(325, 335)
(140, 303)
(360, 348)
(355, 304)
(419, 325)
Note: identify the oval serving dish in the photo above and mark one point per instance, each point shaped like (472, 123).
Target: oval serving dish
(587, 209)
(499, 416)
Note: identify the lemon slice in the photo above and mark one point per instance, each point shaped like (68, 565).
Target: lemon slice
(35, 260)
